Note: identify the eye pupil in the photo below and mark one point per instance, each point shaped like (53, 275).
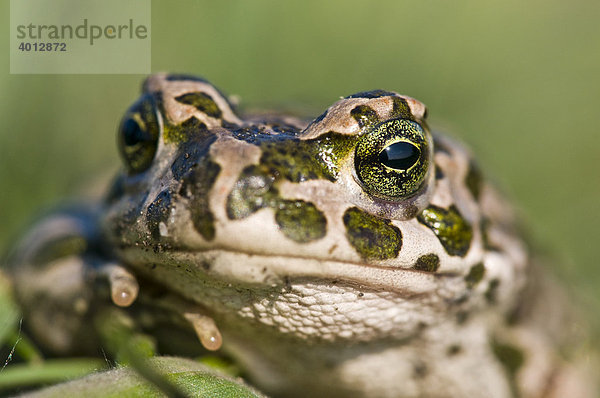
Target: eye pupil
(400, 155)
(132, 133)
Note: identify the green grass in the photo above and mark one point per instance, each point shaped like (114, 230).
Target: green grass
(518, 81)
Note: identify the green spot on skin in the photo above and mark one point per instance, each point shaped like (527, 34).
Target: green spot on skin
(297, 160)
(204, 223)
(284, 156)
(512, 359)
(491, 292)
(401, 109)
(473, 180)
(364, 115)
(331, 148)
(454, 349)
(462, 317)
(185, 131)
(453, 231)
(427, 263)
(372, 237)
(201, 101)
(484, 226)
(475, 275)
(292, 160)
(301, 221)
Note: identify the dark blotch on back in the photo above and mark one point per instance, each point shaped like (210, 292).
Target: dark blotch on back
(301, 221)
(439, 174)
(158, 211)
(293, 160)
(454, 349)
(492, 291)
(428, 263)
(473, 180)
(420, 369)
(453, 231)
(372, 237)
(176, 77)
(201, 101)
(401, 109)
(364, 115)
(475, 275)
(511, 358)
(188, 129)
(284, 156)
(484, 225)
(196, 187)
(192, 151)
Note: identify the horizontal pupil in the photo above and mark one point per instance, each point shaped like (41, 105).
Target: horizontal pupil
(400, 155)
(132, 133)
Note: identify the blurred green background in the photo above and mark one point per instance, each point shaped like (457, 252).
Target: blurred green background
(519, 81)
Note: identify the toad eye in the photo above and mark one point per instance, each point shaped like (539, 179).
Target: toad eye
(392, 159)
(138, 135)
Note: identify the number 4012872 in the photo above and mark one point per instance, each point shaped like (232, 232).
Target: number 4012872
(39, 47)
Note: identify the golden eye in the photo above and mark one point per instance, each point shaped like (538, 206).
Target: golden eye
(392, 159)
(138, 135)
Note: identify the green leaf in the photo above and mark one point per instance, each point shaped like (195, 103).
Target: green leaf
(48, 371)
(191, 377)
(9, 313)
